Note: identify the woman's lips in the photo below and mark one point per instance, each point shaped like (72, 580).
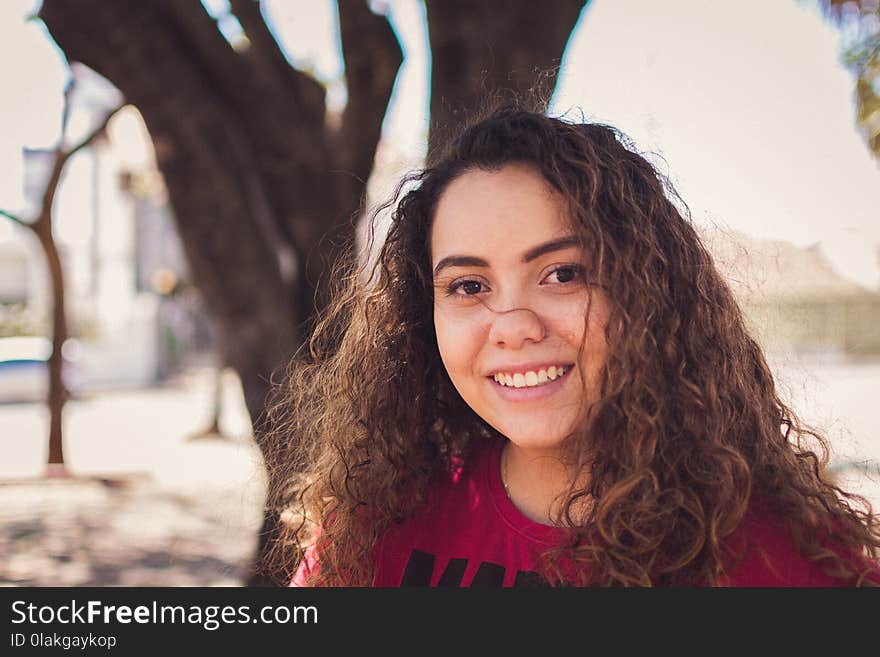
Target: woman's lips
(527, 393)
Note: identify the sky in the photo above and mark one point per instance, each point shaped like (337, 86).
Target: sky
(745, 106)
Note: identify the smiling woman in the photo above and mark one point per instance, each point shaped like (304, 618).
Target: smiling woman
(513, 327)
(546, 381)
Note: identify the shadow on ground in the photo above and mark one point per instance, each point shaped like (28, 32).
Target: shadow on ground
(99, 532)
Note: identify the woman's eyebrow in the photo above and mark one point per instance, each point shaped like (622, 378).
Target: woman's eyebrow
(528, 256)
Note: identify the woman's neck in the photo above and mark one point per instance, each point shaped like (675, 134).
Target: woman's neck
(536, 481)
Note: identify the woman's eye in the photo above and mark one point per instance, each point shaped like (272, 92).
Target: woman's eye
(469, 288)
(566, 274)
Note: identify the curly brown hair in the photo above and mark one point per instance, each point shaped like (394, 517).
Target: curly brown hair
(693, 430)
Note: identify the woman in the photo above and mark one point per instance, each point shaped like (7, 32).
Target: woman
(544, 380)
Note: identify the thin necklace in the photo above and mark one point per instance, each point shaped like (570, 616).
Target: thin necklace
(504, 472)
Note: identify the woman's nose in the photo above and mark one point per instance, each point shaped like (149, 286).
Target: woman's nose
(512, 328)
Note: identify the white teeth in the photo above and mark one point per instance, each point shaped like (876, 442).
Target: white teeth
(529, 379)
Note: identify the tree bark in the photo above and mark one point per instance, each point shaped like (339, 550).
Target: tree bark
(57, 391)
(481, 49)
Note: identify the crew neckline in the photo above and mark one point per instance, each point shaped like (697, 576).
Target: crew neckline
(505, 507)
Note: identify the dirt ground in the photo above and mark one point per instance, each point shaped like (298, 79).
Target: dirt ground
(91, 532)
(147, 504)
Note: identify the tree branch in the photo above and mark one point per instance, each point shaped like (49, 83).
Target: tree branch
(62, 155)
(223, 66)
(474, 63)
(15, 219)
(281, 109)
(266, 54)
(372, 57)
(94, 134)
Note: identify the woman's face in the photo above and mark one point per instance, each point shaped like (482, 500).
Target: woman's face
(511, 303)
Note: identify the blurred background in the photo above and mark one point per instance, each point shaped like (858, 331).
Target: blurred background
(172, 172)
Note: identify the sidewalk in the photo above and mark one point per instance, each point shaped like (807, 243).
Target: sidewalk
(147, 505)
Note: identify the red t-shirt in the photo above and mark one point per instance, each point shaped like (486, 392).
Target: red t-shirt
(470, 534)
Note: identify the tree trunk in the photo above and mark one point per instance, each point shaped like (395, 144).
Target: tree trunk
(57, 390)
(42, 227)
(262, 190)
(482, 49)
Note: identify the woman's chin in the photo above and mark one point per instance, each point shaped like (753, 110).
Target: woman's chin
(537, 441)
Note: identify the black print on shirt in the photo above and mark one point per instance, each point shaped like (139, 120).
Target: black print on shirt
(420, 570)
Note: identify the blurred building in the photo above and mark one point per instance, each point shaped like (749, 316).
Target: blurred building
(15, 273)
(135, 318)
(793, 299)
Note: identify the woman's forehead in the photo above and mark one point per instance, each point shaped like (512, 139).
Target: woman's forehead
(503, 212)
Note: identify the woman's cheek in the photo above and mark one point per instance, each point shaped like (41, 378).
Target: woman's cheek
(454, 339)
